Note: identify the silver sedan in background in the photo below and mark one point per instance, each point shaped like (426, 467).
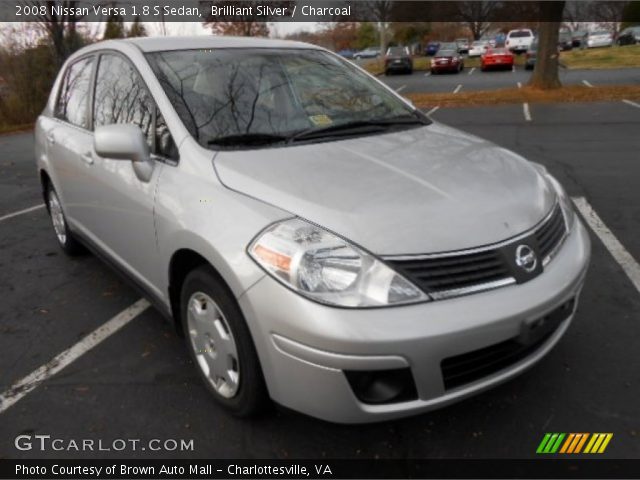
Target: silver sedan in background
(316, 239)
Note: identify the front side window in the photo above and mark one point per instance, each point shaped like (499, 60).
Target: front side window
(121, 96)
(264, 93)
(73, 100)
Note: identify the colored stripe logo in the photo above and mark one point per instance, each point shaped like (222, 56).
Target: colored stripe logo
(574, 443)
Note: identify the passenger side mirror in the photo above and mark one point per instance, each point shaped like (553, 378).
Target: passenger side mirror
(121, 142)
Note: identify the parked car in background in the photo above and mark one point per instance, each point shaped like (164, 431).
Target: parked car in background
(530, 56)
(579, 38)
(370, 52)
(599, 38)
(629, 36)
(497, 59)
(477, 48)
(449, 46)
(462, 45)
(398, 59)
(431, 49)
(346, 53)
(489, 39)
(565, 41)
(447, 61)
(519, 41)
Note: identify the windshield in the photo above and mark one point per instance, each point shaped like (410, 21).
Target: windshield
(397, 51)
(520, 34)
(268, 93)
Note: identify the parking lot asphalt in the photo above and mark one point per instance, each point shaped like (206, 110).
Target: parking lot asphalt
(473, 79)
(140, 383)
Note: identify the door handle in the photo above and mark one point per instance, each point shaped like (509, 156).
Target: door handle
(51, 139)
(87, 158)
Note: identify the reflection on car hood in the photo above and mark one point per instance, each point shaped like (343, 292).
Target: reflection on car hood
(422, 190)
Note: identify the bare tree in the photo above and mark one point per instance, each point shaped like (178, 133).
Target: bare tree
(477, 15)
(245, 22)
(545, 75)
(61, 29)
(609, 15)
(378, 11)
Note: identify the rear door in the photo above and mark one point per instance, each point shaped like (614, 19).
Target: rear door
(69, 140)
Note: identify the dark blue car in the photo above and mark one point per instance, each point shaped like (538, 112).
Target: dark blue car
(432, 49)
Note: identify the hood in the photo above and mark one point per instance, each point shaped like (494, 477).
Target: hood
(424, 190)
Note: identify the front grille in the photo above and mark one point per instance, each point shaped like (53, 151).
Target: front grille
(550, 234)
(472, 366)
(453, 274)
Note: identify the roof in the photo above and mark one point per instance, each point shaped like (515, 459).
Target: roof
(155, 44)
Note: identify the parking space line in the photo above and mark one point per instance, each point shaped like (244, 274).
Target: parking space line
(587, 83)
(519, 85)
(527, 112)
(400, 88)
(633, 104)
(427, 74)
(620, 254)
(21, 212)
(471, 71)
(513, 69)
(22, 387)
(458, 88)
(433, 110)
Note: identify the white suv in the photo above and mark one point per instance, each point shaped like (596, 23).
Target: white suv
(519, 40)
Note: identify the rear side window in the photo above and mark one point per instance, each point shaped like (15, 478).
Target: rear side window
(73, 100)
(121, 97)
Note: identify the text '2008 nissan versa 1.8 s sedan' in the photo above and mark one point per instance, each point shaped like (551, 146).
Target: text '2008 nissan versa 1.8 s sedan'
(317, 239)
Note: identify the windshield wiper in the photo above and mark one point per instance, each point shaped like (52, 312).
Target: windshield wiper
(358, 126)
(248, 139)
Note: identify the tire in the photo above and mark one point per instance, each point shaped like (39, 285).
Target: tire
(434, 71)
(218, 338)
(387, 73)
(67, 241)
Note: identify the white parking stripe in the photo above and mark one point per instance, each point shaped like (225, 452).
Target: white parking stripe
(427, 74)
(527, 112)
(519, 85)
(633, 104)
(620, 254)
(21, 212)
(587, 83)
(433, 110)
(471, 71)
(400, 88)
(458, 88)
(513, 69)
(22, 387)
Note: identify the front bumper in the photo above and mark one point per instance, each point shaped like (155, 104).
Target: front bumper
(305, 348)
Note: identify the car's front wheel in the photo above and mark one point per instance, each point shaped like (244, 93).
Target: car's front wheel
(220, 343)
(66, 239)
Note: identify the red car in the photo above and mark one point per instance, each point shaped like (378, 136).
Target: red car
(447, 61)
(496, 58)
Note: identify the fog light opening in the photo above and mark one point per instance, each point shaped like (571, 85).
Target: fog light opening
(377, 387)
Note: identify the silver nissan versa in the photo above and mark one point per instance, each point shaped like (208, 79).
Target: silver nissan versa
(317, 239)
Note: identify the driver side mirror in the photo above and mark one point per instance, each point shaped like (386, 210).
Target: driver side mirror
(121, 142)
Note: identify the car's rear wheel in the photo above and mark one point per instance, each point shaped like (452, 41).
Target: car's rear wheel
(66, 239)
(220, 343)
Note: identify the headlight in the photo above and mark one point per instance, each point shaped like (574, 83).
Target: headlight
(565, 201)
(327, 268)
